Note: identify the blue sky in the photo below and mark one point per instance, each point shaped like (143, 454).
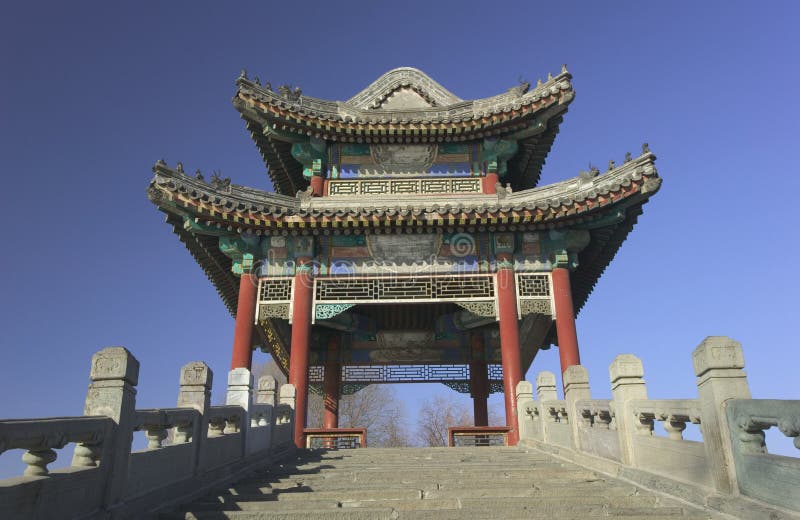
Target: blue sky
(93, 93)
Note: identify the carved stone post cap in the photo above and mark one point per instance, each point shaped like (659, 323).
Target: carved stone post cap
(115, 363)
(717, 352)
(196, 373)
(266, 383)
(626, 366)
(524, 387)
(240, 377)
(288, 390)
(576, 374)
(545, 378)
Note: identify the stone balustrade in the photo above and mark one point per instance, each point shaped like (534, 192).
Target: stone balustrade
(191, 448)
(728, 470)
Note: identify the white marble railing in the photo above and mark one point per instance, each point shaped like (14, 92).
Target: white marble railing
(729, 469)
(190, 448)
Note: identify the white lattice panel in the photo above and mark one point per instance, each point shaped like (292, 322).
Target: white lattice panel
(535, 294)
(404, 289)
(404, 186)
(405, 373)
(274, 298)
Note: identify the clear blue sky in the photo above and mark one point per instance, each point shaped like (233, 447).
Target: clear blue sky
(93, 93)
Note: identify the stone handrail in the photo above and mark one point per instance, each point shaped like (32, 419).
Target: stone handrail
(40, 436)
(210, 445)
(728, 470)
(157, 421)
(596, 413)
(224, 420)
(260, 415)
(772, 478)
(674, 413)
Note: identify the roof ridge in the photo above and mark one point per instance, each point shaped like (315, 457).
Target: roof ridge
(375, 93)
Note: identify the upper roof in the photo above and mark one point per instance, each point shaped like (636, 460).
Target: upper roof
(403, 106)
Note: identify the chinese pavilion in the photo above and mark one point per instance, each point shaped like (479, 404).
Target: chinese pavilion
(406, 239)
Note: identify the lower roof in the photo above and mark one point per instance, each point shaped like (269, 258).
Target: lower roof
(608, 205)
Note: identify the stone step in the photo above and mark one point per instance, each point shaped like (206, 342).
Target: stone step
(420, 484)
(625, 505)
(447, 487)
(337, 514)
(431, 509)
(389, 474)
(391, 514)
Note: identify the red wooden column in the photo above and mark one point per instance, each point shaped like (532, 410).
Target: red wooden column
(565, 319)
(301, 335)
(245, 316)
(317, 185)
(509, 343)
(479, 381)
(331, 384)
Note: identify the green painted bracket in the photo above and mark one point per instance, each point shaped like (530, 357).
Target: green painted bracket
(605, 221)
(496, 153)
(312, 154)
(198, 228)
(242, 249)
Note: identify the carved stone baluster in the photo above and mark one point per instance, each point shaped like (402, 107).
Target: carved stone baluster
(87, 455)
(155, 434)
(183, 433)
(231, 424)
(37, 461)
(216, 427)
(602, 420)
(644, 423)
(674, 427)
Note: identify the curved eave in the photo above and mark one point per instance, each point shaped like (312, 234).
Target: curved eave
(575, 201)
(340, 122)
(579, 202)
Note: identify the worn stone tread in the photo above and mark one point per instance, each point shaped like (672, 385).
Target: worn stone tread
(420, 484)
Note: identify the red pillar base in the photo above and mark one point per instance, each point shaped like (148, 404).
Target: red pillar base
(509, 348)
(298, 356)
(330, 418)
(245, 315)
(317, 184)
(490, 183)
(565, 319)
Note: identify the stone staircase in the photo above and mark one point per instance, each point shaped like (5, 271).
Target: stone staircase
(430, 483)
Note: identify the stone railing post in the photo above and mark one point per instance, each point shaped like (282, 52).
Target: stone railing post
(545, 391)
(240, 393)
(266, 390)
(287, 396)
(283, 419)
(525, 410)
(195, 392)
(627, 384)
(112, 392)
(576, 388)
(718, 363)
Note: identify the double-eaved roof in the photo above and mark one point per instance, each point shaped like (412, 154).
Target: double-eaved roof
(403, 106)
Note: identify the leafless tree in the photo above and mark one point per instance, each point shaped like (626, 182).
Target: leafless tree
(375, 408)
(437, 415)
